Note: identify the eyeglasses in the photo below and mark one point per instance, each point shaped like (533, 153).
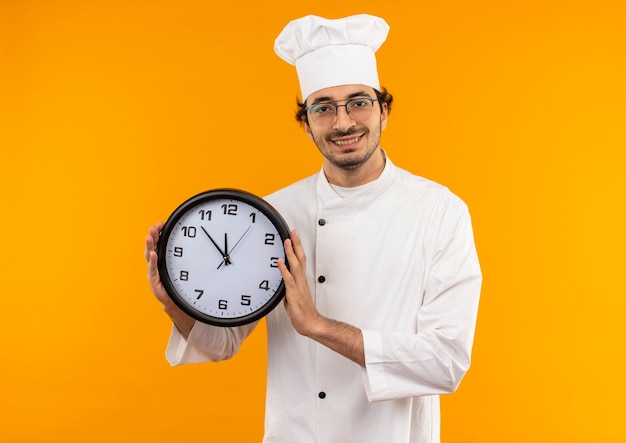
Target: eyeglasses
(359, 109)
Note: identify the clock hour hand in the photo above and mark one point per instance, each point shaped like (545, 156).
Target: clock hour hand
(224, 255)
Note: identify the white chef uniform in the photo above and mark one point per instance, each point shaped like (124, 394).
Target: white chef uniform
(395, 258)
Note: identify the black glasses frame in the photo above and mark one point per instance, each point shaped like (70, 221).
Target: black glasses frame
(346, 104)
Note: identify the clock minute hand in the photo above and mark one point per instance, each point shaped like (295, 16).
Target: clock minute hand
(226, 260)
(228, 253)
(225, 256)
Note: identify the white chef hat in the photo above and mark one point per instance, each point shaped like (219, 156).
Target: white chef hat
(332, 52)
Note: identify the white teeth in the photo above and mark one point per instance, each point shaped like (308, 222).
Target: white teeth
(347, 142)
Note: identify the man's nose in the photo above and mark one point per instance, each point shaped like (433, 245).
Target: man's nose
(342, 118)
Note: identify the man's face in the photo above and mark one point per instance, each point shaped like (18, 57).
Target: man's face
(346, 143)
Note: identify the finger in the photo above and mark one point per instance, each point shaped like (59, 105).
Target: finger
(297, 247)
(290, 254)
(155, 231)
(149, 247)
(153, 238)
(155, 280)
(153, 271)
(284, 272)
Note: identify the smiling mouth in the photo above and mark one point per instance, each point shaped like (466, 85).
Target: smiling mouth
(347, 141)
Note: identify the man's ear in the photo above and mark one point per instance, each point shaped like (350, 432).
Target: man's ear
(383, 116)
(307, 129)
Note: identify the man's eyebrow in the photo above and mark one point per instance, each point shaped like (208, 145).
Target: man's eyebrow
(350, 96)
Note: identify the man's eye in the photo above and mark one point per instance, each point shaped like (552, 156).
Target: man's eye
(359, 103)
(322, 109)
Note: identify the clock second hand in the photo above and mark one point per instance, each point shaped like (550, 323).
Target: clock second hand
(224, 255)
(240, 238)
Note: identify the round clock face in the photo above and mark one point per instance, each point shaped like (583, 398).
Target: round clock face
(218, 257)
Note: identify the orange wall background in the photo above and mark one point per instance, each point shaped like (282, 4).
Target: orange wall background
(112, 112)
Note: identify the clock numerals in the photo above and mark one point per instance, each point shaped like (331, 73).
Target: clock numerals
(205, 215)
(229, 209)
(189, 231)
(218, 257)
(246, 300)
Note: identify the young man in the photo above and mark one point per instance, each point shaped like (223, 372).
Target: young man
(383, 286)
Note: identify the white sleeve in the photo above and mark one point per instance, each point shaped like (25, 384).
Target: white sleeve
(435, 359)
(206, 343)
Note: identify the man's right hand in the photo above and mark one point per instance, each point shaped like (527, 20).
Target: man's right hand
(183, 322)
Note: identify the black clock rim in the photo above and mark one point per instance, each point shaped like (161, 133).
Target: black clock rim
(221, 193)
